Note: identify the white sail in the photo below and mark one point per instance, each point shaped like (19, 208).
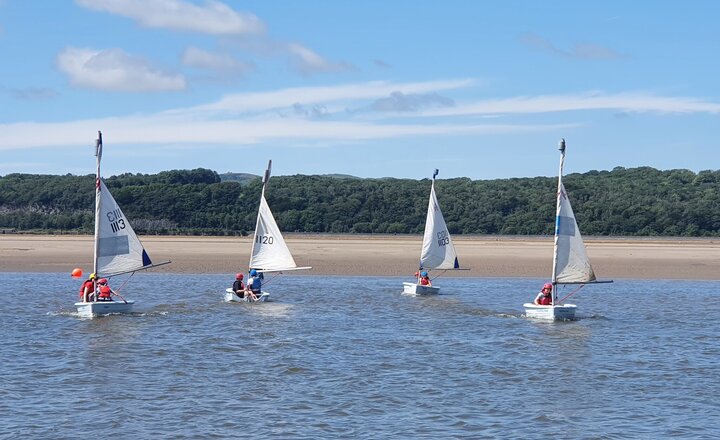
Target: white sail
(118, 248)
(571, 262)
(269, 251)
(438, 251)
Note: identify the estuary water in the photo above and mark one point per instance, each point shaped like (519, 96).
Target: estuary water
(351, 357)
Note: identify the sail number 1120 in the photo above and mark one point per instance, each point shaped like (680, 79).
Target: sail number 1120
(264, 239)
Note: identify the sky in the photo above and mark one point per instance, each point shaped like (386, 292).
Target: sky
(372, 88)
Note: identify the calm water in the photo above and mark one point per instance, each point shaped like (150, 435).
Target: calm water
(342, 357)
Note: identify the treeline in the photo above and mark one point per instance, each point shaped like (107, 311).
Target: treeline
(638, 201)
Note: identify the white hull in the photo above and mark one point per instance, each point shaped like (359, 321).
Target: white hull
(552, 313)
(417, 289)
(230, 296)
(98, 308)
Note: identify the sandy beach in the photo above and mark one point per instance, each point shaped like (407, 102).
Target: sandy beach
(612, 258)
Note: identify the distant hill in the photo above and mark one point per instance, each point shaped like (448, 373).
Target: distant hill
(622, 202)
(243, 178)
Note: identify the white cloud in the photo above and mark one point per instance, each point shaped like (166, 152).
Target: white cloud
(579, 50)
(222, 64)
(115, 70)
(253, 118)
(345, 94)
(307, 61)
(213, 17)
(626, 102)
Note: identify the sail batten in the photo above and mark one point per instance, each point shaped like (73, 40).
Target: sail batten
(438, 250)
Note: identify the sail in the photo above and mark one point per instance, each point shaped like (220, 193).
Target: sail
(572, 264)
(269, 251)
(438, 251)
(118, 248)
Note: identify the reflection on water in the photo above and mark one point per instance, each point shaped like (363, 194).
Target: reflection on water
(341, 357)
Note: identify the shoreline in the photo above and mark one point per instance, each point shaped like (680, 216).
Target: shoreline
(382, 255)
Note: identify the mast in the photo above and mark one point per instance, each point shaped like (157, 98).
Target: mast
(266, 177)
(561, 147)
(98, 155)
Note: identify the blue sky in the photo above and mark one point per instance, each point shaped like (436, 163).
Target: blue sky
(478, 89)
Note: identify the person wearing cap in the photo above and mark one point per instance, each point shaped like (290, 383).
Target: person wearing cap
(103, 290)
(87, 290)
(425, 279)
(254, 285)
(544, 298)
(238, 286)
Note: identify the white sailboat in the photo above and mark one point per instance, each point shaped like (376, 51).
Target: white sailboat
(269, 252)
(117, 249)
(438, 251)
(570, 261)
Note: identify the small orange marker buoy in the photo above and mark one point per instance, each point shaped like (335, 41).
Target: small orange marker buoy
(76, 273)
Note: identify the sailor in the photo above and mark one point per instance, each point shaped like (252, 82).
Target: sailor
(239, 286)
(87, 289)
(254, 285)
(104, 291)
(425, 279)
(544, 298)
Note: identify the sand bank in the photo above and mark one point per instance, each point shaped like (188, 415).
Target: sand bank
(381, 255)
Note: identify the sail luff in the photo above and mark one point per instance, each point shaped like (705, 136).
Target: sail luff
(266, 177)
(98, 156)
(557, 211)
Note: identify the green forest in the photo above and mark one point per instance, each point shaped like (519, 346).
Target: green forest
(622, 202)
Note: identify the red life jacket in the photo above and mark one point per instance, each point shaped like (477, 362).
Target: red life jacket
(89, 285)
(104, 292)
(546, 300)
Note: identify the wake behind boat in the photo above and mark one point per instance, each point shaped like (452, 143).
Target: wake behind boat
(571, 265)
(117, 250)
(269, 252)
(438, 251)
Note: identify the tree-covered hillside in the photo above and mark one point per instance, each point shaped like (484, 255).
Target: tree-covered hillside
(638, 201)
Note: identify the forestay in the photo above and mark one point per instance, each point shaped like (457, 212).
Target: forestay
(438, 251)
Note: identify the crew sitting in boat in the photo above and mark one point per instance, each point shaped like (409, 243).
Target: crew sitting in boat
(544, 298)
(104, 291)
(87, 290)
(238, 286)
(254, 285)
(424, 279)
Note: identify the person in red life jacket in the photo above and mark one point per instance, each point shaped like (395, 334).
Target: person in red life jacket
(87, 290)
(104, 291)
(238, 286)
(425, 279)
(544, 298)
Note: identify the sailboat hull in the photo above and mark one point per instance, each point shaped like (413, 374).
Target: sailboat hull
(417, 289)
(563, 312)
(99, 308)
(230, 296)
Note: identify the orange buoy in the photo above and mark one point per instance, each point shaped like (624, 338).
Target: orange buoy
(76, 273)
